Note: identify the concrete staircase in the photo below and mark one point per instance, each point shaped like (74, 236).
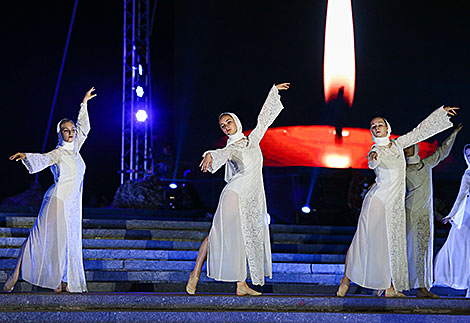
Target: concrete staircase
(136, 251)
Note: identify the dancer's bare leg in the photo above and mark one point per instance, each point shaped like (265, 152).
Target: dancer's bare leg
(243, 289)
(345, 281)
(200, 260)
(10, 283)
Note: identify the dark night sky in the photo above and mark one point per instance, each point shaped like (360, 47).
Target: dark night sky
(213, 56)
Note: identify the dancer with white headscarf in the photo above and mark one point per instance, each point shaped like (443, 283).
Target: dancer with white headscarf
(240, 230)
(377, 256)
(452, 264)
(420, 214)
(51, 257)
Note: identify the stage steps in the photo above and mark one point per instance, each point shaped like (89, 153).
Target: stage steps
(148, 254)
(153, 307)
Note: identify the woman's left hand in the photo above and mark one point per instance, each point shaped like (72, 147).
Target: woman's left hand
(89, 95)
(451, 110)
(283, 86)
(446, 219)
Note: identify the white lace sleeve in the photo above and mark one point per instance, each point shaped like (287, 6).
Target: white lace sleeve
(271, 109)
(442, 151)
(219, 158)
(436, 122)
(37, 162)
(83, 125)
(458, 210)
(374, 162)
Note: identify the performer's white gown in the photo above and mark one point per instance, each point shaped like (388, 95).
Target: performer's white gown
(53, 251)
(452, 263)
(420, 216)
(377, 255)
(240, 231)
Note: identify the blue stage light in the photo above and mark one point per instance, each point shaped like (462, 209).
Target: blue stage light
(306, 209)
(173, 186)
(139, 91)
(141, 70)
(141, 115)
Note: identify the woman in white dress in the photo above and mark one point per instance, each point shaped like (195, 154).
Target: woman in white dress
(452, 264)
(377, 256)
(51, 257)
(420, 215)
(240, 230)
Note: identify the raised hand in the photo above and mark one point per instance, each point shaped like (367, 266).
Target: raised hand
(283, 86)
(451, 110)
(18, 156)
(89, 95)
(206, 162)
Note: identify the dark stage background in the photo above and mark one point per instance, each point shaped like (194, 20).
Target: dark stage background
(214, 56)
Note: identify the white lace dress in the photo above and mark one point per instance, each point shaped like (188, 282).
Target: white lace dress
(452, 263)
(240, 230)
(53, 251)
(377, 255)
(420, 216)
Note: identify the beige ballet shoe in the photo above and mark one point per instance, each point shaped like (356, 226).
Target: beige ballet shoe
(423, 292)
(10, 284)
(343, 289)
(245, 290)
(192, 284)
(62, 287)
(394, 293)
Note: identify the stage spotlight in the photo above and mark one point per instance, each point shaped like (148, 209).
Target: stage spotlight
(141, 69)
(139, 91)
(141, 115)
(306, 209)
(173, 186)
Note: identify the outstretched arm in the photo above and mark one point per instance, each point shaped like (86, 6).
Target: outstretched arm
(83, 122)
(436, 122)
(37, 162)
(214, 159)
(270, 110)
(443, 150)
(458, 210)
(373, 159)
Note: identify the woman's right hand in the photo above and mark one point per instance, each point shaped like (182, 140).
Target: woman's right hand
(372, 155)
(18, 156)
(206, 162)
(451, 110)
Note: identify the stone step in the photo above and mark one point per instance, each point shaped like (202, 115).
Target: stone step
(229, 288)
(9, 242)
(152, 307)
(187, 266)
(156, 276)
(174, 235)
(181, 255)
(114, 214)
(12, 221)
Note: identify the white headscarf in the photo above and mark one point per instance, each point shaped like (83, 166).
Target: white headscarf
(414, 159)
(467, 146)
(239, 134)
(383, 141)
(62, 143)
(229, 167)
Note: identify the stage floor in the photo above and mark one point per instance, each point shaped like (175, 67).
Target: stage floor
(179, 307)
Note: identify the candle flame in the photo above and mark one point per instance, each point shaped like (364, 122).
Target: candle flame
(339, 64)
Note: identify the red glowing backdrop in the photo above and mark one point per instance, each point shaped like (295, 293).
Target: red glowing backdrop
(317, 146)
